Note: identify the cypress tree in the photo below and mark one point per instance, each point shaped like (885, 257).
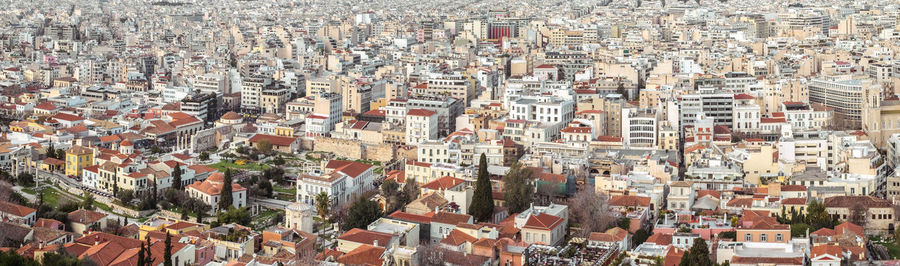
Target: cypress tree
(482, 207)
(148, 258)
(226, 200)
(176, 176)
(51, 152)
(168, 256)
(141, 260)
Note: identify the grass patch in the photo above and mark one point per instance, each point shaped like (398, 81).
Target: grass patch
(891, 246)
(286, 190)
(285, 197)
(222, 165)
(103, 206)
(375, 163)
(28, 191)
(51, 197)
(260, 220)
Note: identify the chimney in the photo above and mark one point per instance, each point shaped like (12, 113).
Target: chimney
(375, 242)
(97, 240)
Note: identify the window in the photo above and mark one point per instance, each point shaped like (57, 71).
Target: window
(779, 237)
(764, 238)
(748, 237)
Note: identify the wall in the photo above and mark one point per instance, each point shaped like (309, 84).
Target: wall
(354, 150)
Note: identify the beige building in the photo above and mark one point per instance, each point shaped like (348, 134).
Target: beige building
(613, 109)
(878, 213)
(881, 120)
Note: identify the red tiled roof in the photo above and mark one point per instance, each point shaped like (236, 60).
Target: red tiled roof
(273, 139)
(740, 202)
(443, 183)
(826, 249)
(660, 239)
(179, 119)
(46, 106)
(629, 200)
(363, 255)
(543, 221)
(67, 117)
(420, 112)
(772, 120)
(609, 138)
(849, 227)
(367, 237)
(350, 168)
(457, 237)
(743, 96)
(83, 216)
(15, 209)
(794, 201)
(450, 218)
(409, 217)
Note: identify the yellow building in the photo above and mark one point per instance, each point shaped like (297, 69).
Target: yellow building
(78, 158)
(284, 131)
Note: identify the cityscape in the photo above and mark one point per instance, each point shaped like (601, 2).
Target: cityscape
(449, 132)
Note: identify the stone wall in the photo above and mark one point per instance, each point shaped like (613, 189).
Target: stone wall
(355, 150)
(340, 147)
(381, 153)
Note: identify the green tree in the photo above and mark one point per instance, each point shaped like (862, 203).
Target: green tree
(322, 204)
(698, 255)
(167, 257)
(61, 258)
(87, 201)
(278, 161)
(392, 194)
(184, 214)
(265, 187)
(148, 258)
(482, 206)
(204, 156)
(141, 261)
(410, 190)
(817, 217)
(518, 188)
(361, 214)
(624, 223)
(234, 215)
(11, 258)
(640, 236)
(264, 146)
(226, 200)
(200, 215)
(176, 176)
(51, 152)
(799, 229)
(25, 179)
(60, 154)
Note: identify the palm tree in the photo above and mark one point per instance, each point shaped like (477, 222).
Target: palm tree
(322, 204)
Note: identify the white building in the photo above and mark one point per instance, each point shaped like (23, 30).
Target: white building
(210, 192)
(543, 109)
(746, 114)
(639, 128)
(802, 116)
(342, 181)
(421, 126)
